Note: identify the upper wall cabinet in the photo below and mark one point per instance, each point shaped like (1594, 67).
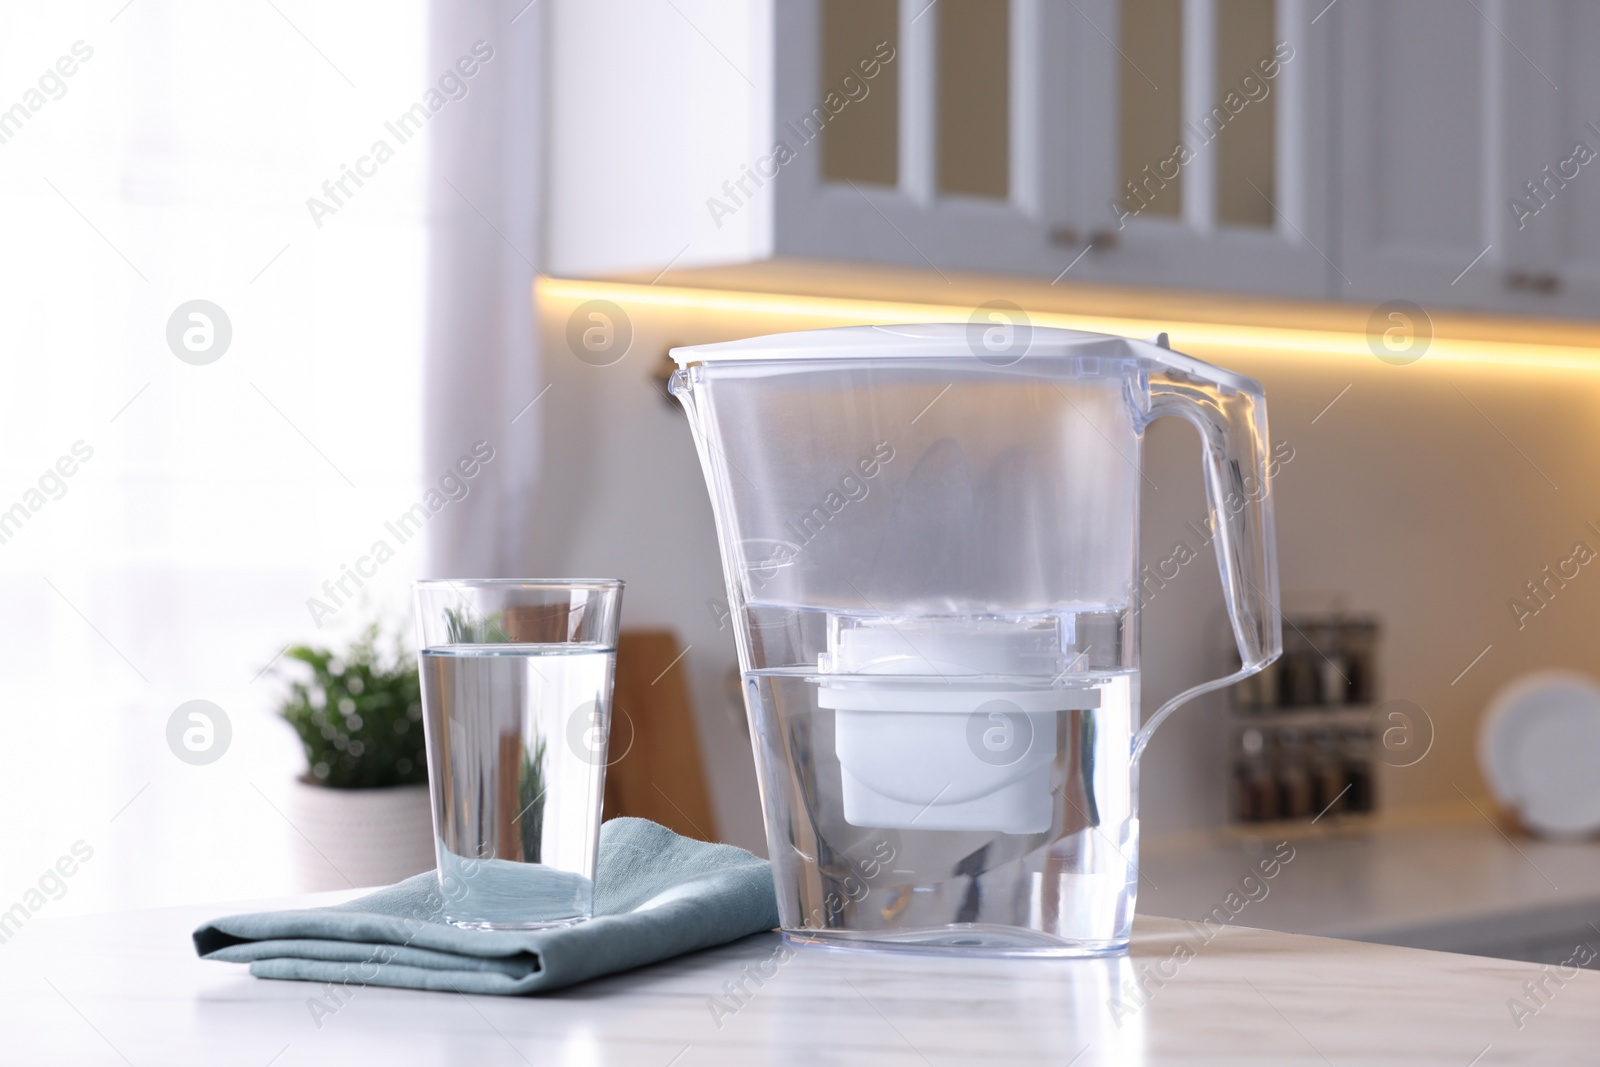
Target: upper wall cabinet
(1467, 155)
(1441, 151)
(1157, 142)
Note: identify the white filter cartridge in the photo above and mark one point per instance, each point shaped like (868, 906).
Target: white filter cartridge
(930, 735)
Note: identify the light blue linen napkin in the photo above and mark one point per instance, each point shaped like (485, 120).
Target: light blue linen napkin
(657, 895)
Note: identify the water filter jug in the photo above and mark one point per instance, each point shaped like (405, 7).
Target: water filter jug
(930, 540)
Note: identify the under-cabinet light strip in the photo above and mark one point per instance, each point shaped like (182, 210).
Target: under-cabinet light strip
(1195, 338)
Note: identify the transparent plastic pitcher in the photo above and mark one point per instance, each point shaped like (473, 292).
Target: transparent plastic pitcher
(930, 537)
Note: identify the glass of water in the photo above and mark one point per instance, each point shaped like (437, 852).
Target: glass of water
(516, 700)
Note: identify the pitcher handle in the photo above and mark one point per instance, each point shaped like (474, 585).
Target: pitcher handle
(1232, 421)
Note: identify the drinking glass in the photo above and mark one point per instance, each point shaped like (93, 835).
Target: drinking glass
(516, 700)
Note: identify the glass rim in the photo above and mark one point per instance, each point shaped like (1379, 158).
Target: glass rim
(524, 583)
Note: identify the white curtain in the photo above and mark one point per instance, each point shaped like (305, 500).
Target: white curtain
(482, 385)
(175, 150)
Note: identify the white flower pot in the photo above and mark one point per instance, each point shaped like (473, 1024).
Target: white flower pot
(359, 837)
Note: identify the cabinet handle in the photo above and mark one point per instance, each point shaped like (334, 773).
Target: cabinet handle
(1071, 236)
(1529, 282)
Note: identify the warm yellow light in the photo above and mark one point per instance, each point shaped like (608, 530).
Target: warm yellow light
(1207, 340)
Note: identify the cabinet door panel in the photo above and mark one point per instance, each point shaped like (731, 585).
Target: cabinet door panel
(973, 97)
(1429, 107)
(997, 215)
(1249, 170)
(1246, 166)
(863, 141)
(1448, 111)
(1413, 163)
(1561, 213)
(1244, 210)
(1149, 81)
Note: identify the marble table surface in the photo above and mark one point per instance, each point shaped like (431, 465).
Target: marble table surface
(1456, 881)
(126, 989)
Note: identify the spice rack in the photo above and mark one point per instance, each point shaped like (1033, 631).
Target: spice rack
(1303, 740)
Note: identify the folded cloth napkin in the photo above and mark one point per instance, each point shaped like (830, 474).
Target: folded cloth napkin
(657, 895)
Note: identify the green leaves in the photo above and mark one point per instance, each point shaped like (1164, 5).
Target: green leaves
(464, 626)
(358, 714)
(531, 789)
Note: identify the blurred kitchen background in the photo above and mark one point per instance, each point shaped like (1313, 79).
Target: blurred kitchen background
(1384, 212)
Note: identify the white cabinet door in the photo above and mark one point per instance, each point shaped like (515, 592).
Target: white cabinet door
(899, 210)
(1015, 150)
(1551, 209)
(1209, 145)
(1448, 111)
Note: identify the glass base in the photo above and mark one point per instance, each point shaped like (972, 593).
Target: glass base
(959, 939)
(484, 924)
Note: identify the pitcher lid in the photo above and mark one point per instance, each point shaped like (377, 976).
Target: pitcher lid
(953, 339)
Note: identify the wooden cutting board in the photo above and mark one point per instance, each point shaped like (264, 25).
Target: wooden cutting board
(656, 771)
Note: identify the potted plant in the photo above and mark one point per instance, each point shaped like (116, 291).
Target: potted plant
(361, 809)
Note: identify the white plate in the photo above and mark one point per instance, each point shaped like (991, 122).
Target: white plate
(1540, 751)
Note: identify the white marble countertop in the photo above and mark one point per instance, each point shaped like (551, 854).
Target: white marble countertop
(1452, 880)
(127, 989)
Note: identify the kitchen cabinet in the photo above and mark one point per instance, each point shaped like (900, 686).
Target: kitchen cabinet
(1432, 151)
(1353, 150)
(1466, 154)
(1156, 142)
